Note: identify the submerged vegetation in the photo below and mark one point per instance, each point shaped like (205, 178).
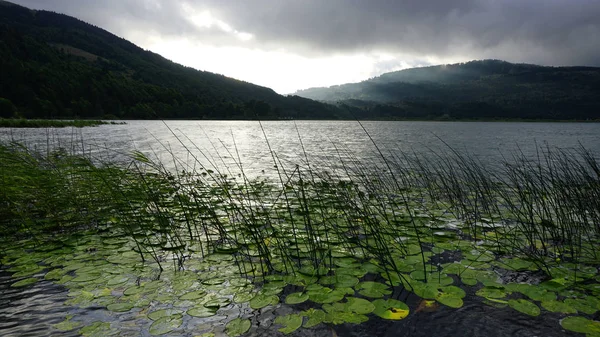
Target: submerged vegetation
(49, 123)
(191, 242)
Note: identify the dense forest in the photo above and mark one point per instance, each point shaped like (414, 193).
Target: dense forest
(485, 89)
(56, 66)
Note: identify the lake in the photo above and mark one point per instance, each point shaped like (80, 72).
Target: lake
(227, 147)
(327, 144)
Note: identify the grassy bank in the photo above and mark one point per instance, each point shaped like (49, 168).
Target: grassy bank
(50, 123)
(336, 248)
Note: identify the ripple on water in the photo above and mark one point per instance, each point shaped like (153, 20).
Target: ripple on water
(32, 310)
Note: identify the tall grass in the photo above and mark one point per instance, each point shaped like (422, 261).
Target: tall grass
(546, 209)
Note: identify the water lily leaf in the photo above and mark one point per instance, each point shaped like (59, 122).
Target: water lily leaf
(390, 309)
(356, 271)
(340, 280)
(341, 317)
(97, 329)
(117, 280)
(449, 300)
(373, 289)
(558, 306)
(489, 292)
(581, 325)
(202, 312)
(80, 298)
(67, 324)
(120, 307)
(24, 283)
(193, 295)
(86, 277)
(261, 300)
(213, 281)
(217, 302)
(158, 314)
(27, 270)
(326, 295)
(468, 281)
(290, 322)
(581, 305)
(243, 297)
(237, 327)
(296, 298)
(439, 279)
(524, 306)
(336, 307)
(165, 324)
(133, 290)
(424, 290)
(54, 274)
(454, 291)
(537, 294)
(359, 305)
(315, 317)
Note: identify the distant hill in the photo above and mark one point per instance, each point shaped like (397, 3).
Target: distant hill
(485, 89)
(56, 66)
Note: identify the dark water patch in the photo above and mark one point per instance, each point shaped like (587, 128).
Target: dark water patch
(32, 310)
(474, 319)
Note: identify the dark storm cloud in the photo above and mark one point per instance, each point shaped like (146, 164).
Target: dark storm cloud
(537, 31)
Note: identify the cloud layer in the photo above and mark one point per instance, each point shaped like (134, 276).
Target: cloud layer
(551, 32)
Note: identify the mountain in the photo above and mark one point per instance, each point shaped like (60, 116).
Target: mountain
(56, 66)
(485, 89)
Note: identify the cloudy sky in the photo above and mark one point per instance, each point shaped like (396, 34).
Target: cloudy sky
(296, 44)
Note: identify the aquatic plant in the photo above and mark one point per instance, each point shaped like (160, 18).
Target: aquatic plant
(341, 246)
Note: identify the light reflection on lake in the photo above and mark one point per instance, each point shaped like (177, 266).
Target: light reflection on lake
(327, 144)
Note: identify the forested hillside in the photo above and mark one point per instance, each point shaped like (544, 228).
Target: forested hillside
(56, 66)
(477, 89)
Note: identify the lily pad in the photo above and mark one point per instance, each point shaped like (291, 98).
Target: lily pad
(581, 305)
(120, 307)
(67, 324)
(296, 298)
(290, 322)
(581, 324)
(165, 324)
(359, 305)
(260, 301)
(97, 329)
(117, 280)
(193, 295)
(373, 289)
(202, 312)
(340, 280)
(390, 309)
(558, 306)
(449, 300)
(237, 327)
(24, 283)
(326, 295)
(315, 317)
(524, 306)
(490, 292)
(54, 274)
(133, 290)
(243, 297)
(158, 314)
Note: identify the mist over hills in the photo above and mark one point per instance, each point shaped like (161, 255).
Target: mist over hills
(56, 66)
(476, 89)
